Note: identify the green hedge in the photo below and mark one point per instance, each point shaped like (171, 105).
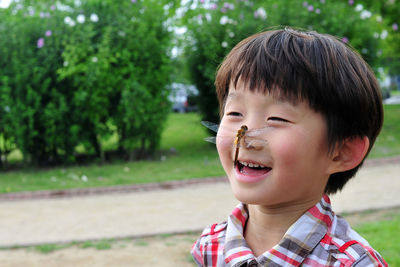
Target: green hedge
(75, 73)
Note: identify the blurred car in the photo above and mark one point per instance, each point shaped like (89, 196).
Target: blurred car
(182, 96)
(390, 85)
(392, 100)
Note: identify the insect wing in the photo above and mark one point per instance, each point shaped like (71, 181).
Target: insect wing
(252, 137)
(254, 132)
(253, 142)
(210, 125)
(258, 132)
(247, 143)
(211, 139)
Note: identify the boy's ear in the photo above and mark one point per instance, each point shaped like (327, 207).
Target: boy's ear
(349, 154)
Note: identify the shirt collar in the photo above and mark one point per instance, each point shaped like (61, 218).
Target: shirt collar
(298, 242)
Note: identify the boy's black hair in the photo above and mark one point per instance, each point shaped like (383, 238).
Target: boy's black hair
(312, 67)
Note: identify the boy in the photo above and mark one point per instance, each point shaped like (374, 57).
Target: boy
(318, 107)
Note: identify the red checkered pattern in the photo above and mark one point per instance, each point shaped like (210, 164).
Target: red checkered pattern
(318, 238)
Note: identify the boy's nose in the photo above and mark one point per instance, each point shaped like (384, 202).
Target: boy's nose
(252, 143)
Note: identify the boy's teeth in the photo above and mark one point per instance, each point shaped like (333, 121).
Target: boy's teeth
(252, 165)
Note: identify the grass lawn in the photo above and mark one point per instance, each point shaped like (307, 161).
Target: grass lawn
(183, 155)
(388, 142)
(383, 233)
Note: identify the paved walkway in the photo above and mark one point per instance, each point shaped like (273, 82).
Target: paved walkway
(190, 207)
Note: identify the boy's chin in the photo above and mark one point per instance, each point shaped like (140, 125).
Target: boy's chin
(248, 196)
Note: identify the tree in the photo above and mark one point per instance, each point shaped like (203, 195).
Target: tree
(389, 14)
(214, 27)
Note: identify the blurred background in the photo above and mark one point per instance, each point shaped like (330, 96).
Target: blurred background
(113, 83)
(98, 93)
(95, 82)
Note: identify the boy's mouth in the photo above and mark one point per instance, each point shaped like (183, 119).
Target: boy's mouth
(252, 169)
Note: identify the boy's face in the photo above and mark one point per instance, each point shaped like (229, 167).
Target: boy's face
(295, 155)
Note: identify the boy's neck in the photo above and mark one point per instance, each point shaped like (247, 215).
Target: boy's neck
(266, 226)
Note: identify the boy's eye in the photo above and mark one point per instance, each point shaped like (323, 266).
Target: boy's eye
(277, 119)
(234, 113)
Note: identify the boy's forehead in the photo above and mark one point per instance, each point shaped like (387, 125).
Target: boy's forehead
(275, 93)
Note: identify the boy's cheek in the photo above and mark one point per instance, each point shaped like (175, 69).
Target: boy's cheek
(224, 140)
(287, 150)
(224, 148)
(224, 145)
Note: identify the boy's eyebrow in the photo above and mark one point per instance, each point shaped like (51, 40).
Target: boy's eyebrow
(232, 95)
(282, 100)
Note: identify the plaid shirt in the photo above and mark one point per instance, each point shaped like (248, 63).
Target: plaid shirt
(317, 238)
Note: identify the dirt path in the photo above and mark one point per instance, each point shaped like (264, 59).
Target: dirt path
(165, 251)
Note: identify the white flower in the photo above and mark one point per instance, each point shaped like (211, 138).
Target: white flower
(365, 14)
(376, 35)
(94, 59)
(384, 34)
(81, 18)
(359, 7)
(224, 44)
(67, 20)
(31, 11)
(224, 20)
(174, 51)
(94, 17)
(261, 13)
(84, 178)
(231, 34)
(65, 64)
(180, 30)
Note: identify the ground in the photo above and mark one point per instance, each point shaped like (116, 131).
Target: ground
(164, 250)
(168, 251)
